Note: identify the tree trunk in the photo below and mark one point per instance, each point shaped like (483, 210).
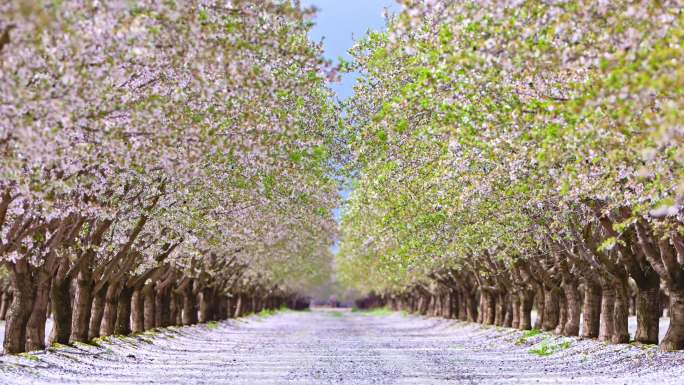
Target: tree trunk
(515, 303)
(162, 308)
(539, 302)
(229, 308)
(149, 300)
(621, 313)
(500, 307)
(438, 304)
(205, 306)
(573, 305)
(5, 303)
(454, 303)
(253, 308)
(462, 305)
(83, 305)
(562, 314)
(488, 308)
(122, 326)
(109, 314)
(471, 306)
(510, 310)
(60, 299)
(526, 304)
(189, 307)
(591, 309)
(175, 308)
(223, 307)
(607, 311)
(674, 338)
(428, 311)
(238, 306)
(137, 311)
(20, 310)
(648, 314)
(179, 305)
(551, 308)
(35, 333)
(96, 313)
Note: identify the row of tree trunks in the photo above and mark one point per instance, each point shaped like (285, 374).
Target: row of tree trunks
(596, 306)
(81, 310)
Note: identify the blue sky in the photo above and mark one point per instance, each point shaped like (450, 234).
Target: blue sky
(340, 22)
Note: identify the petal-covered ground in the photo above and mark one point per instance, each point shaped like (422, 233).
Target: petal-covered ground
(334, 347)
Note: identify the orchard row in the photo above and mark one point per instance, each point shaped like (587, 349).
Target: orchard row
(162, 163)
(512, 153)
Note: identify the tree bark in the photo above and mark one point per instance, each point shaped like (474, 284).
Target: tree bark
(607, 312)
(83, 305)
(229, 307)
(60, 299)
(20, 310)
(674, 338)
(500, 307)
(178, 299)
(551, 308)
(471, 305)
(175, 308)
(206, 305)
(488, 308)
(508, 318)
(35, 333)
(515, 303)
(122, 326)
(238, 306)
(562, 314)
(110, 307)
(647, 305)
(454, 303)
(591, 309)
(5, 303)
(149, 308)
(539, 302)
(96, 313)
(573, 306)
(189, 306)
(621, 312)
(526, 304)
(137, 311)
(222, 308)
(162, 307)
(648, 315)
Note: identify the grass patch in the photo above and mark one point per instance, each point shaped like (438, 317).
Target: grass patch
(336, 314)
(547, 347)
(527, 334)
(86, 344)
(99, 341)
(145, 340)
(643, 346)
(29, 356)
(378, 311)
(266, 313)
(212, 325)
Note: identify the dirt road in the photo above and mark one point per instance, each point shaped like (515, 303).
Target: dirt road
(331, 347)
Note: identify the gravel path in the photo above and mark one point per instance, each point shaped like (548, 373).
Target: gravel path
(332, 347)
